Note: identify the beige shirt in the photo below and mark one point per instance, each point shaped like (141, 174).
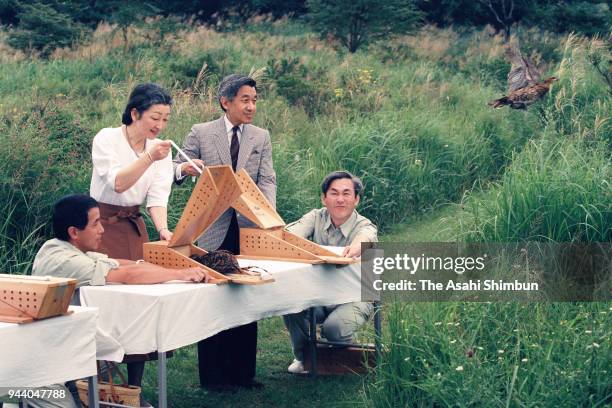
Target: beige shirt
(62, 259)
(317, 227)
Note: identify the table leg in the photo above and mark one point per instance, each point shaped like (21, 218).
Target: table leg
(313, 342)
(93, 395)
(161, 380)
(377, 332)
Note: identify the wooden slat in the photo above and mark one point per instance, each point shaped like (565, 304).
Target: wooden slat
(280, 259)
(212, 195)
(308, 245)
(248, 280)
(254, 205)
(259, 242)
(159, 253)
(197, 212)
(15, 319)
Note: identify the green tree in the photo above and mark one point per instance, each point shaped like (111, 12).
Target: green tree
(447, 12)
(43, 28)
(585, 17)
(506, 14)
(124, 14)
(8, 11)
(358, 22)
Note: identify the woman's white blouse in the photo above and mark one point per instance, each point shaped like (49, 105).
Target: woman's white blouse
(110, 153)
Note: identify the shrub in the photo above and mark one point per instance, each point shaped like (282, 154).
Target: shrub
(357, 22)
(293, 80)
(557, 191)
(43, 28)
(51, 157)
(185, 69)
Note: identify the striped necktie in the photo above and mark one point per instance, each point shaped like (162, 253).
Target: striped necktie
(234, 147)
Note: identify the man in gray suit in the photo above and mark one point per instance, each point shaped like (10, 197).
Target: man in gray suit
(228, 358)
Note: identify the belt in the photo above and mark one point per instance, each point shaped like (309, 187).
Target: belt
(116, 213)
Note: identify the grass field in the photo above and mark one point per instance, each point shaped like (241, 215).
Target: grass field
(281, 389)
(437, 354)
(407, 115)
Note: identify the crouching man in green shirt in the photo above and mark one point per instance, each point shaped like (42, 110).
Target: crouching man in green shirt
(337, 224)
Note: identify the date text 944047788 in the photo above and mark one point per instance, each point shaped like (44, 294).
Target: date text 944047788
(53, 394)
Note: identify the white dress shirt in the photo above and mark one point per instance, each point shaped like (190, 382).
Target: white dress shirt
(110, 153)
(228, 129)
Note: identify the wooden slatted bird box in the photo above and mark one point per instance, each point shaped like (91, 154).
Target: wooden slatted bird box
(217, 190)
(212, 195)
(270, 240)
(27, 298)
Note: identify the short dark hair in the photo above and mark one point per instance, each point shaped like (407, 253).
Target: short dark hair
(144, 96)
(341, 174)
(71, 211)
(231, 84)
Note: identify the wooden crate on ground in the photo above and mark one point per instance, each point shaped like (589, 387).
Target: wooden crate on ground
(334, 360)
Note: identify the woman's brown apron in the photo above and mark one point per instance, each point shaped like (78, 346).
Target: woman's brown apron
(124, 231)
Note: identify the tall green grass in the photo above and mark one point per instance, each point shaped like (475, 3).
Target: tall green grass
(557, 191)
(494, 355)
(17, 246)
(558, 188)
(417, 132)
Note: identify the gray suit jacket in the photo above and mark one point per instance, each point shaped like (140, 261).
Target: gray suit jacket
(208, 142)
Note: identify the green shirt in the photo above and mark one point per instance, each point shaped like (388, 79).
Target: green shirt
(62, 259)
(318, 227)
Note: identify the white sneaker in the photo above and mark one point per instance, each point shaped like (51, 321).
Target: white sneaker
(297, 367)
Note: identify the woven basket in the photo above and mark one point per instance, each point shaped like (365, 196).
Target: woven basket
(123, 394)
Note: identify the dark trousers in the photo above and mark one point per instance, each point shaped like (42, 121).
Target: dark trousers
(229, 357)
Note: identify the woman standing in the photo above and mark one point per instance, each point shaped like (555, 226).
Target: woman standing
(131, 167)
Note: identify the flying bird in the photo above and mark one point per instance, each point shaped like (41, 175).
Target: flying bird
(524, 85)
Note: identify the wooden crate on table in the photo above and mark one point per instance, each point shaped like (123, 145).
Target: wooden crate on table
(27, 298)
(217, 190)
(270, 240)
(212, 195)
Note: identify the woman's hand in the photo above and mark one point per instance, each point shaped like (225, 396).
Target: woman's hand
(165, 234)
(159, 150)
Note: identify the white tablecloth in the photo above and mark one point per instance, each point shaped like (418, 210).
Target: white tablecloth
(49, 351)
(146, 318)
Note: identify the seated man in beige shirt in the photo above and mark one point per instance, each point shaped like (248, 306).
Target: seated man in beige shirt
(71, 254)
(337, 224)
